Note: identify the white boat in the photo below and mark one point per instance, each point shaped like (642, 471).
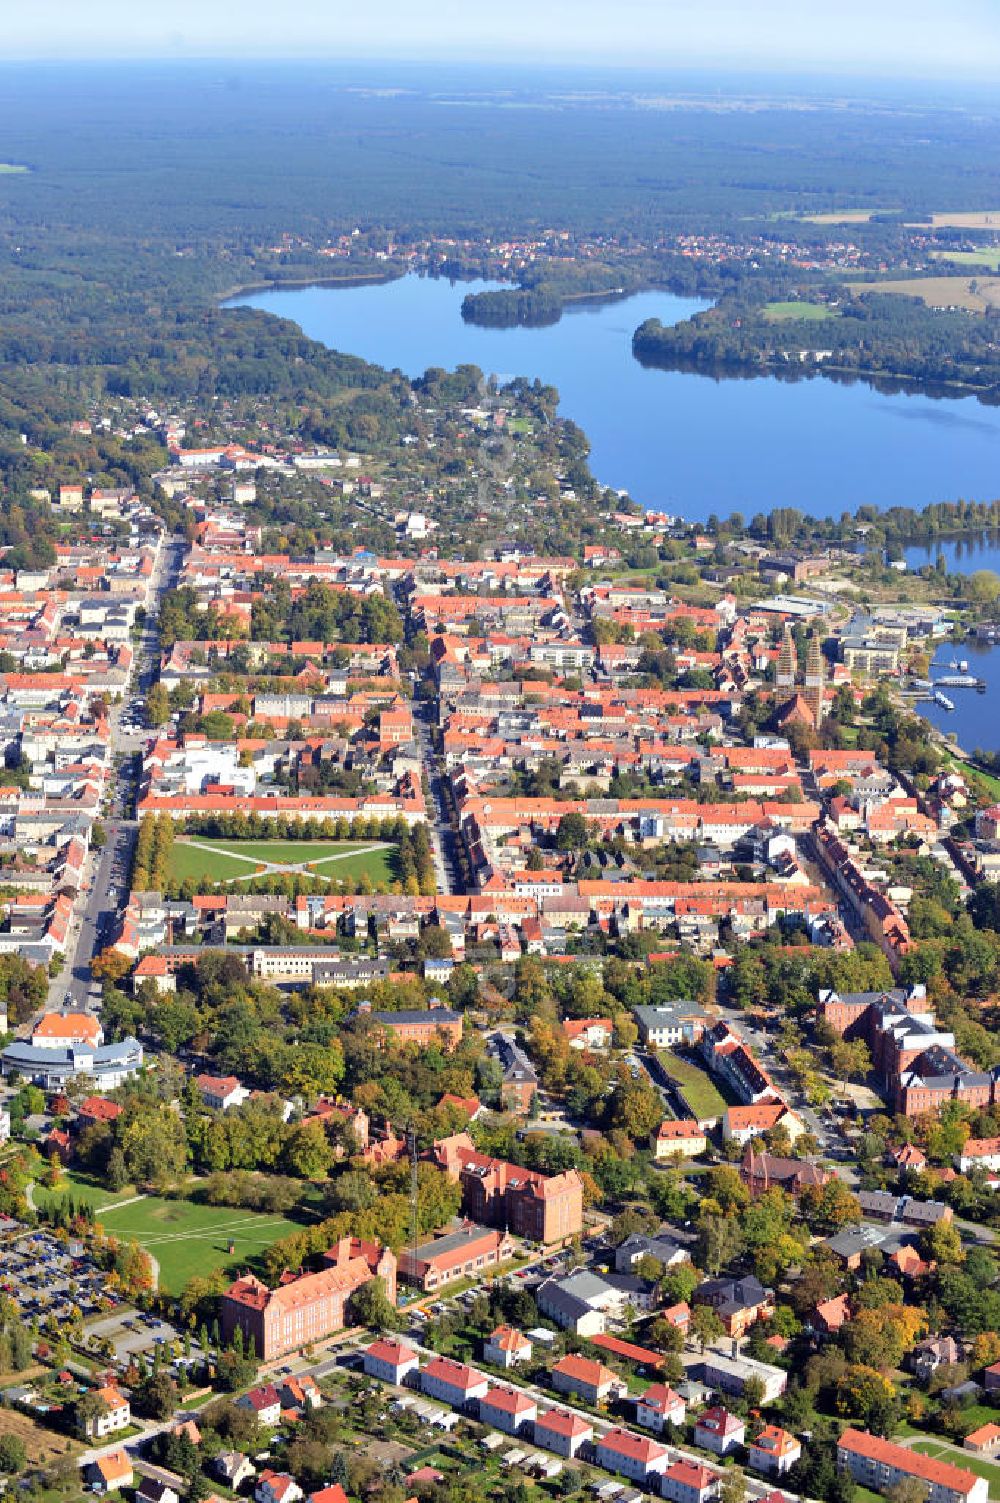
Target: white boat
(963, 666)
(943, 700)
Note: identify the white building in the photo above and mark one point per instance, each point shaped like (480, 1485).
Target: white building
(390, 1360)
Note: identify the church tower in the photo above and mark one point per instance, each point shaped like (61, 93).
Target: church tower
(787, 661)
(815, 678)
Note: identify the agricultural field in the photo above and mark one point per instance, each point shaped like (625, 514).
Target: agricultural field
(973, 219)
(974, 294)
(198, 858)
(842, 216)
(702, 1096)
(187, 1238)
(986, 255)
(776, 313)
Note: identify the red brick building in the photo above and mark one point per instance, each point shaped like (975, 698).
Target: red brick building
(761, 1172)
(431, 1026)
(464, 1252)
(544, 1208)
(913, 1055)
(307, 1308)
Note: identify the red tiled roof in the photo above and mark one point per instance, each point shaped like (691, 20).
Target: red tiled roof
(937, 1473)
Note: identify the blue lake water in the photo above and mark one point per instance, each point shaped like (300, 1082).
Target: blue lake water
(974, 720)
(961, 555)
(691, 444)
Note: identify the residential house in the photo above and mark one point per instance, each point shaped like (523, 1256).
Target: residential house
(264, 1402)
(589, 1380)
(153, 1490)
(739, 1303)
(658, 1407)
(560, 1431)
(506, 1347)
(452, 1382)
(773, 1451)
(689, 1482)
(634, 1456)
(933, 1353)
(299, 1394)
(741, 1123)
(233, 1468)
(108, 1473)
(683, 1138)
(390, 1359)
(718, 1430)
(117, 1414)
(276, 1487)
(507, 1409)
(220, 1092)
(831, 1314)
(588, 1033)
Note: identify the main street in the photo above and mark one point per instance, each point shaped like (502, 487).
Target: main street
(108, 869)
(444, 843)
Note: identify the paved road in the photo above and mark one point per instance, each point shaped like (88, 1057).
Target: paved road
(443, 840)
(110, 875)
(96, 909)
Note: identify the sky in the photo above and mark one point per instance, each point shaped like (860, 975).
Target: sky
(915, 38)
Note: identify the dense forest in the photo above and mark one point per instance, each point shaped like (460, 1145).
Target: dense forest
(875, 334)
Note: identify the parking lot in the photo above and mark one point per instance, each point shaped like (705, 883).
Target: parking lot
(131, 1332)
(46, 1277)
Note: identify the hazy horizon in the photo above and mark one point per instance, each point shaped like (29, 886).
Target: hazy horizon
(860, 38)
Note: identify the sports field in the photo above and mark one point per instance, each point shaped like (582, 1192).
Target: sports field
(777, 313)
(196, 858)
(187, 1239)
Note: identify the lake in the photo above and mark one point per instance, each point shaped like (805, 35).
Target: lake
(961, 555)
(974, 718)
(677, 441)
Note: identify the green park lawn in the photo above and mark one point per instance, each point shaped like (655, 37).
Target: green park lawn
(83, 1189)
(201, 857)
(699, 1092)
(802, 312)
(189, 864)
(186, 1238)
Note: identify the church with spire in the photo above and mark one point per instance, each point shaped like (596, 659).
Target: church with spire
(800, 701)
